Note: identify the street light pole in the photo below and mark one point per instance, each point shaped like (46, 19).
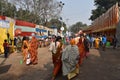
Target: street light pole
(67, 27)
(61, 4)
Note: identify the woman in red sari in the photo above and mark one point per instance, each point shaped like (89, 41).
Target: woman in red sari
(33, 50)
(57, 57)
(81, 50)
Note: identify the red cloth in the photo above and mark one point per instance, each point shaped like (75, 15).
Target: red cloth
(25, 34)
(81, 50)
(24, 23)
(57, 60)
(57, 65)
(5, 45)
(2, 17)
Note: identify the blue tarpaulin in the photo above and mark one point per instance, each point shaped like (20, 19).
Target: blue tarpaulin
(40, 30)
(41, 36)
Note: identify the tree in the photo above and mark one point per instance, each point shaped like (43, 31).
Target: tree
(101, 7)
(7, 9)
(78, 26)
(35, 11)
(44, 10)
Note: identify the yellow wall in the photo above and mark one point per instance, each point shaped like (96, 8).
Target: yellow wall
(3, 36)
(3, 33)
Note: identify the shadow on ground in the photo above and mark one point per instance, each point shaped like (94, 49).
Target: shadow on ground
(40, 74)
(4, 69)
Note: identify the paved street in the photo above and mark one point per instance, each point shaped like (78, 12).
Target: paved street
(100, 65)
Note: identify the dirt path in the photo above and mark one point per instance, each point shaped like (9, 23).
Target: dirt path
(100, 65)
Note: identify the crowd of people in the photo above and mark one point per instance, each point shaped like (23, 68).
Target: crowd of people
(101, 41)
(28, 47)
(69, 57)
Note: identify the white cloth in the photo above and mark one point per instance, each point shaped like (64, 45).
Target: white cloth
(28, 59)
(70, 58)
(53, 47)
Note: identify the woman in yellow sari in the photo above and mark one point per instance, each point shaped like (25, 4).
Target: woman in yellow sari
(25, 48)
(56, 57)
(97, 41)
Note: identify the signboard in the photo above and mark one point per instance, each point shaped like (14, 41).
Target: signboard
(4, 24)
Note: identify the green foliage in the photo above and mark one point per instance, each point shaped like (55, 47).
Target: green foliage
(78, 26)
(27, 16)
(101, 7)
(35, 11)
(7, 9)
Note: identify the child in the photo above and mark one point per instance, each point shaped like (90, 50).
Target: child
(6, 48)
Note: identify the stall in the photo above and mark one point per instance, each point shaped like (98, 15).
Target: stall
(7, 32)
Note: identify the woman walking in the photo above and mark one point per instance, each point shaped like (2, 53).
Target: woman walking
(25, 47)
(70, 58)
(33, 49)
(81, 50)
(56, 56)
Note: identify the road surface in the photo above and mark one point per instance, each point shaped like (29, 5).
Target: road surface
(100, 65)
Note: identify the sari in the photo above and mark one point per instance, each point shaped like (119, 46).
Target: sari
(70, 58)
(57, 59)
(33, 50)
(97, 41)
(25, 48)
(81, 50)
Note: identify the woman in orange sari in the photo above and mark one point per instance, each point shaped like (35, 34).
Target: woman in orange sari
(56, 57)
(25, 47)
(81, 50)
(33, 50)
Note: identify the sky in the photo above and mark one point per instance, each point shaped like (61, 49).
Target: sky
(77, 11)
